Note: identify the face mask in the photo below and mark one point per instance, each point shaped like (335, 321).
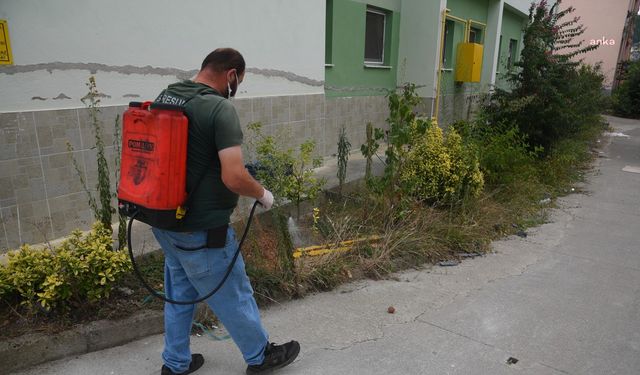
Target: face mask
(232, 92)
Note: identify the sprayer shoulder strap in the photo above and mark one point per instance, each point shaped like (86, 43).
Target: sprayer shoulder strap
(187, 202)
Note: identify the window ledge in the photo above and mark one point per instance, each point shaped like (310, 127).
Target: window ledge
(376, 66)
(329, 65)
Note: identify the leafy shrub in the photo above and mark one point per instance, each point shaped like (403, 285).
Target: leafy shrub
(552, 93)
(402, 122)
(420, 162)
(402, 115)
(104, 211)
(287, 173)
(439, 169)
(566, 162)
(503, 151)
(588, 100)
(368, 150)
(506, 157)
(626, 98)
(82, 269)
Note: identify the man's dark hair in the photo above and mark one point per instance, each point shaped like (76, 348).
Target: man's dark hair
(224, 59)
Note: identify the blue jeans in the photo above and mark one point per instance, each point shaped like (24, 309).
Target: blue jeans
(191, 274)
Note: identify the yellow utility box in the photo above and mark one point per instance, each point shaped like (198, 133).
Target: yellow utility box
(469, 62)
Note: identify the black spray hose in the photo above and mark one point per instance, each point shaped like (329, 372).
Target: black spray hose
(215, 290)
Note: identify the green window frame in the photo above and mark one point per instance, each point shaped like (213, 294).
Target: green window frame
(377, 28)
(476, 35)
(447, 55)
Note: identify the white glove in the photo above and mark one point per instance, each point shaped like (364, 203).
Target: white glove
(267, 199)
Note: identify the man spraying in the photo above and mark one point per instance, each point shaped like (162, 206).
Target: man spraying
(197, 254)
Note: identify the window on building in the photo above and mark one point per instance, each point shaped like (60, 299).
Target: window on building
(376, 25)
(475, 35)
(513, 50)
(447, 60)
(328, 41)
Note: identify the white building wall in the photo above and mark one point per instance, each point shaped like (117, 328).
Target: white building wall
(419, 49)
(135, 48)
(604, 22)
(520, 5)
(492, 40)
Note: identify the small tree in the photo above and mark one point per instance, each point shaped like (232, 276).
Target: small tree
(369, 148)
(344, 146)
(626, 98)
(546, 84)
(401, 121)
(103, 211)
(401, 117)
(288, 174)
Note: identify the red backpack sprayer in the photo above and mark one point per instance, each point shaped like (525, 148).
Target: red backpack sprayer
(152, 187)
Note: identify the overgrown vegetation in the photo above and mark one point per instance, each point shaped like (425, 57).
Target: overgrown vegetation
(82, 269)
(402, 122)
(421, 162)
(288, 173)
(552, 93)
(102, 207)
(440, 169)
(368, 150)
(541, 131)
(344, 146)
(626, 99)
(447, 194)
(444, 194)
(503, 152)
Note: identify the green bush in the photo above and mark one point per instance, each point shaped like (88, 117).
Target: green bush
(506, 157)
(552, 94)
(82, 269)
(420, 162)
(503, 152)
(566, 162)
(626, 99)
(439, 169)
(287, 173)
(402, 118)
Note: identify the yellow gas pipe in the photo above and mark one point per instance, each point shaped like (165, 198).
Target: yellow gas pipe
(467, 29)
(445, 16)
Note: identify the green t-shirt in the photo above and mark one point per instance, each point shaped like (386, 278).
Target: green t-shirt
(213, 126)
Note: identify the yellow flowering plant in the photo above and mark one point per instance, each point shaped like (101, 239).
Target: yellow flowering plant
(82, 269)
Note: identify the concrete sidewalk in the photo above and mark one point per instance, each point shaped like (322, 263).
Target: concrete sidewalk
(565, 300)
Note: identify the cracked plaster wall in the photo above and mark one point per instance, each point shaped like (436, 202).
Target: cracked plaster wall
(137, 48)
(41, 198)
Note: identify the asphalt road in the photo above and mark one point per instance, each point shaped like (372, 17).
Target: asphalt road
(564, 300)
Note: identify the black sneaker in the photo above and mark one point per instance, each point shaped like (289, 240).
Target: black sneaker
(197, 360)
(275, 357)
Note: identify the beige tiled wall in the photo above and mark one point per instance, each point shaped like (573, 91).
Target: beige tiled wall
(41, 197)
(462, 104)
